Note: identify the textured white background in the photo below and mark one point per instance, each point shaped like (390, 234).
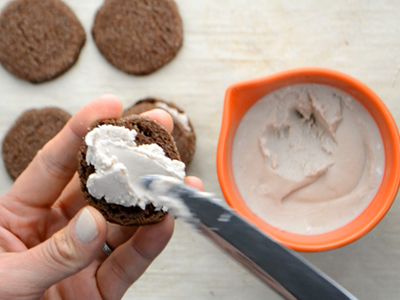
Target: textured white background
(226, 41)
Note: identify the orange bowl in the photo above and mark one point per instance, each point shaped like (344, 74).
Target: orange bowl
(241, 96)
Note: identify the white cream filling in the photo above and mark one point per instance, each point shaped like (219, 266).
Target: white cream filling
(180, 117)
(119, 162)
(308, 158)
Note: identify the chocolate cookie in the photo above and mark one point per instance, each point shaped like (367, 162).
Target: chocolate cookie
(30, 132)
(148, 132)
(138, 36)
(183, 133)
(39, 39)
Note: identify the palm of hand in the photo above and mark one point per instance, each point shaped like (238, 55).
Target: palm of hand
(40, 254)
(32, 226)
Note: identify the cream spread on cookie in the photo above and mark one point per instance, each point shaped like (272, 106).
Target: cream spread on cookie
(119, 163)
(308, 158)
(180, 117)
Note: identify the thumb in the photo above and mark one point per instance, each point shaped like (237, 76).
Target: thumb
(67, 251)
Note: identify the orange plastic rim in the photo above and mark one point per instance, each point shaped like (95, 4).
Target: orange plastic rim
(241, 96)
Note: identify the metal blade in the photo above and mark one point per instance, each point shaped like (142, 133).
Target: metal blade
(283, 269)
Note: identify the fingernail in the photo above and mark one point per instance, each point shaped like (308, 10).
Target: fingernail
(108, 96)
(86, 227)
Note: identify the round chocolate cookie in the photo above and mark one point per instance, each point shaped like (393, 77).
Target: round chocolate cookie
(39, 39)
(148, 132)
(30, 132)
(138, 36)
(183, 134)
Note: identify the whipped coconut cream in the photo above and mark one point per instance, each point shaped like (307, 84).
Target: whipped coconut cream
(162, 187)
(180, 117)
(169, 192)
(119, 163)
(308, 158)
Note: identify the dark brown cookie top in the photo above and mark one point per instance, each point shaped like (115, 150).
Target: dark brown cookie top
(138, 36)
(185, 140)
(148, 132)
(30, 132)
(39, 39)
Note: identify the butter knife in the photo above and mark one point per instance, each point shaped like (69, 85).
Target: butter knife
(280, 267)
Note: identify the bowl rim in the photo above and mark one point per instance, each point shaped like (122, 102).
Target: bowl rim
(387, 191)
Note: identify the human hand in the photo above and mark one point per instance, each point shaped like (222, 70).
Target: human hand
(50, 244)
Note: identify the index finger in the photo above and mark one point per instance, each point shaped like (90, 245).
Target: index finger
(53, 166)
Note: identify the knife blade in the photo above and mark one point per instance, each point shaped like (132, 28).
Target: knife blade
(280, 267)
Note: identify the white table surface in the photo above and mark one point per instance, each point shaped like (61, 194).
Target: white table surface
(227, 41)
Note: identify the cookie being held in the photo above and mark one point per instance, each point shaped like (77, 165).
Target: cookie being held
(30, 132)
(114, 154)
(183, 132)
